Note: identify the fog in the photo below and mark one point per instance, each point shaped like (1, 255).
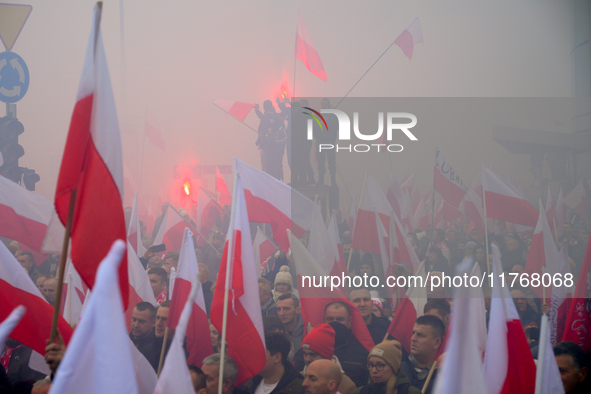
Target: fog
(176, 58)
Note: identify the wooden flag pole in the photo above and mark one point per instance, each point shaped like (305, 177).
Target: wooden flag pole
(62, 268)
(433, 368)
(162, 351)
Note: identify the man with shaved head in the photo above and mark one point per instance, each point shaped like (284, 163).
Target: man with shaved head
(322, 377)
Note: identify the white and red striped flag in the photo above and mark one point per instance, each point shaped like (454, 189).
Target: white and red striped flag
(208, 213)
(263, 248)
(171, 230)
(198, 341)
(366, 229)
(548, 376)
(542, 256)
(411, 36)
(24, 215)
(73, 295)
(154, 136)
(508, 363)
(306, 52)
(561, 297)
(220, 187)
(17, 288)
(577, 201)
(140, 289)
(92, 167)
(134, 234)
(313, 300)
(175, 377)
(271, 201)
(237, 279)
(401, 248)
(504, 203)
(420, 218)
(578, 321)
(237, 109)
(447, 182)
(399, 201)
(10, 323)
(340, 265)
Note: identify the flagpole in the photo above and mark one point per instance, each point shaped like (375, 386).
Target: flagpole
(374, 63)
(351, 249)
(62, 268)
(162, 351)
(229, 254)
(486, 233)
(212, 199)
(428, 380)
(236, 118)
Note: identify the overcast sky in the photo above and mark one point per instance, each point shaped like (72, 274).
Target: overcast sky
(180, 56)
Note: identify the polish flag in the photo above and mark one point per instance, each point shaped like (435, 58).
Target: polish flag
(175, 376)
(352, 216)
(385, 254)
(306, 52)
(237, 279)
(171, 230)
(561, 297)
(154, 136)
(271, 201)
(237, 109)
(399, 201)
(409, 187)
(577, 201)
(548, 379)
(17, 288)
(411, 36)
(508, 363)
(447, 182)
(401, 248)
(340, 265)
(578, 321)
(140, 289)
(366, 229)
(543, 255)
(100, 335)
(319, 244)
(560, 212)
(208, 213)
(462, 370)
(410, 308)
(313, 300)
(197, 330)
(504, 203)
(134, 234)
(92, 167)
(73, 295)
(420, 216)
(263, 248)
(220, 186)
(24, 215)
(551, 213)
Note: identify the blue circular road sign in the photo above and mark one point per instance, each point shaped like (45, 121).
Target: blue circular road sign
(14, 77)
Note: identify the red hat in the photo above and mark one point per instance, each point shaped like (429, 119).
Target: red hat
(320, 340)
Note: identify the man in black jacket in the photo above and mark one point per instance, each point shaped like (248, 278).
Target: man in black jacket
(278, 376)
(143, 320)
(377, 326)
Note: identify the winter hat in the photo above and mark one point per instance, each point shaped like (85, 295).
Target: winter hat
(378, 303)
(470, 245)
(320, 340)
(282, 277)
(390, 351)
(284, 268)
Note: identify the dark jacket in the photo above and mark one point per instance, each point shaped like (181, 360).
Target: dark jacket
(270, 307)
(157, 349)
(351, 354)
(378, 328)
(145, 346)
(402, 386)
(415, 380)
(290, 383)
(18, 367)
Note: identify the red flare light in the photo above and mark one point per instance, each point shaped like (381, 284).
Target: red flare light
(187, 186)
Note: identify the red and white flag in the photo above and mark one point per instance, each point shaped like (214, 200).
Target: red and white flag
(548, 379)
(306, 52)
(401, 248)
(175, 377)
(411, 190)
(134, 234)
(543, 255)
(198, 341)
(410, 308)
(319, 244)
(504, 203)
(399, 201)
(271, 201)
(577, 201)
(366, 229)
(73, 295)
(447, 182)
(237, 109)
(17, 288)
(462, 370)
(578, 321)
(140, 289)
(411, 36)
(263, 248)
(100, 335)
(171, 230)
(421, 219)
(220, 186)
(508, 363)
(208, 213)
(92, 167)
(238, 274)
(24, 215)
(561, 297)
(313, 300)
(340, 265)
(385, 253)
(154, 136)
